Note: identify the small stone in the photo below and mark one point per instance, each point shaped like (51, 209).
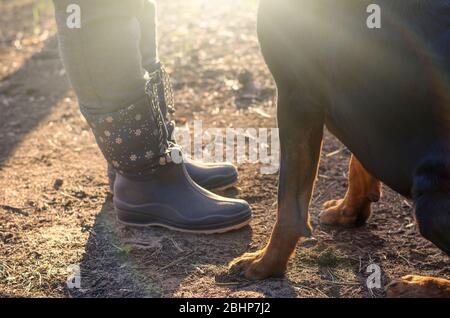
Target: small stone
(58, 184)
(309, 242)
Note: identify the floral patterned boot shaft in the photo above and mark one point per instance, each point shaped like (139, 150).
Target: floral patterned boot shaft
(135, 140)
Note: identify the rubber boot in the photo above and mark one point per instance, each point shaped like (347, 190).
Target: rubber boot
(152, 186)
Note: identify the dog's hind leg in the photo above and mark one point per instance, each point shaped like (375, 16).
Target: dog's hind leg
(355, 208)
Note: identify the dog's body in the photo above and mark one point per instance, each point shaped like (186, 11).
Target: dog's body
(385, 93)
(380, 89)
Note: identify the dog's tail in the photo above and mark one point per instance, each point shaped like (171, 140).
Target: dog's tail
(431, 194)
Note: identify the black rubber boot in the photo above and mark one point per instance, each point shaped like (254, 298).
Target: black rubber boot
(212, 176)
(152, 186)
(172, 200)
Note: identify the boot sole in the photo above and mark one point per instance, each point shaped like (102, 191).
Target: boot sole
(182, 230)
(149, 216)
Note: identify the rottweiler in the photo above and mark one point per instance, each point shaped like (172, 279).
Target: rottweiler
(384, 92)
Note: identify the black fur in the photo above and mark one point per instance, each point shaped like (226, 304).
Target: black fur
(384, 93)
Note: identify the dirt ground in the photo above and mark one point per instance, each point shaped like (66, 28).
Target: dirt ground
(55, 209)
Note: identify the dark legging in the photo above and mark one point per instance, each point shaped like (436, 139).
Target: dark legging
(106, 58)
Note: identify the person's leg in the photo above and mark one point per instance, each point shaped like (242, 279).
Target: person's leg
(149, 46)
(102, 58)
(104, 64)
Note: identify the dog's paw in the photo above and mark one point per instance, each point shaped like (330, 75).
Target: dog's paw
(338, 213)
(412, 286)
(256, 266)
(332, 204)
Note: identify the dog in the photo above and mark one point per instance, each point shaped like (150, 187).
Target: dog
(384, 93)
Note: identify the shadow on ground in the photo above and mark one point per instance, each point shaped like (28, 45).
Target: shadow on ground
(132, 262)
(29, 95)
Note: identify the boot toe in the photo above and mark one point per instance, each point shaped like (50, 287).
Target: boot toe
(212, 176)
(235, 215)
(171, 199)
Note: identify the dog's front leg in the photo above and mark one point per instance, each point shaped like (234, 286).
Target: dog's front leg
(301, 132)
